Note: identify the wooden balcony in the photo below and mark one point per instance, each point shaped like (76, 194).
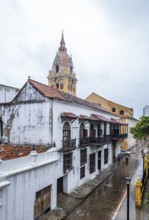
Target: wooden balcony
(119, 136)
(95, 141)
(69, 145)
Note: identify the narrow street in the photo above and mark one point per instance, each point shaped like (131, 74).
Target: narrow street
(103, 202)
(135, 212)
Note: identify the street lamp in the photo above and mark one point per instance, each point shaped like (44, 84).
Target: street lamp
(128, 184)
(143, 156)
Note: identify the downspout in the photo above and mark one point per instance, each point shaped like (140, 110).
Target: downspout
(51, 122)
(1, 128)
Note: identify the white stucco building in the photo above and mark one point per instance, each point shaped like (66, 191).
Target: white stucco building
(146, 110)
(82, 138)
(7, 93)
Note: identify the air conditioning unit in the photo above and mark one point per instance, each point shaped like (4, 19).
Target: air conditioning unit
(4, 139)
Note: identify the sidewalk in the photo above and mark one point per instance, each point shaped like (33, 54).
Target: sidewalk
(136, 213)
(78, 196)
(68, 203)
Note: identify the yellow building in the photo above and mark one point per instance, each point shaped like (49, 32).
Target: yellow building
(115, 108)
(125, 113)
(62, 75)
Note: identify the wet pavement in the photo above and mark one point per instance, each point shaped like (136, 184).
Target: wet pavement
(99, 198)
(103, 202)
(135, 212)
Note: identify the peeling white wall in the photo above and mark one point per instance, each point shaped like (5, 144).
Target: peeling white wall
(28, 123)
(21, 178)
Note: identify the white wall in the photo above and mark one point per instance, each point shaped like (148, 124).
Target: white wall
(131, 123)
(7, 93)
(28, 123)
(25, 176)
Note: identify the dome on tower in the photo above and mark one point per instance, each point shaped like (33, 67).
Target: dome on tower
(62, 75)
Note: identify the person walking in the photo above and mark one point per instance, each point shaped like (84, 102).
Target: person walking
(126, 160)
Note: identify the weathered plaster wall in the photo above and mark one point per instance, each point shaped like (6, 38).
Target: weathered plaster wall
(21, 178)
(28, 123)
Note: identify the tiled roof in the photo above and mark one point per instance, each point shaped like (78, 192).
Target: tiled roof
(46, 90)
(84, 117)
(115, 121)
(52, 93)
(99, 118)
(8, 152)
(68, 115)
(80, 101)
(55, 93)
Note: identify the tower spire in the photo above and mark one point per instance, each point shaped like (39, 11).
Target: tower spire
(62, 43)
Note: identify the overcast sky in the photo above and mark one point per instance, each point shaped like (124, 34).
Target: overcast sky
(108, 41)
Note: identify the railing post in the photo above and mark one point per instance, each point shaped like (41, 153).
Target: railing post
(146, 165)
(138, 192)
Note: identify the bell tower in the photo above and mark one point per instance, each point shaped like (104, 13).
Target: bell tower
(62, 75)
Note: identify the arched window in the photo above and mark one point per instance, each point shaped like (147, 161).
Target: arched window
(92, 131)
(57, 68)
(71, 68)
(83, 131)
(99, 131)
(66, 132)
(57, 85)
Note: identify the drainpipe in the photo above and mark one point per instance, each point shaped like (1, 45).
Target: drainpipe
(51, 119)
(1, 129)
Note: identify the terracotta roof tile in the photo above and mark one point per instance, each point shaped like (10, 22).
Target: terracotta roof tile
(99, 118)
(8, 152)
(84, 117)
(46, 90)
(56, 94)
(69, 115)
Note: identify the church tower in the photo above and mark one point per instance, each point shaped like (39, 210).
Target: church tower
(62, 75)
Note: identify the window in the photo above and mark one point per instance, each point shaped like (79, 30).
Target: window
(61, 86)
(121, 112)
(57, 85)
(92, 131)
(57, 68)
(71, 68)
(113, 109)
(67, 162)
(92, 163)
(82, 172)
(106, 156)
(66, 132)
(83, 131)
(83, 157)
(99, 130)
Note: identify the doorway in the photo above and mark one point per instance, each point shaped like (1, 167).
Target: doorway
(99, 160)
(59, 185)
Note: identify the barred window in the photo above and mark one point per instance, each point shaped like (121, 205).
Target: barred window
(67, 162)
(66, 132)
(92, 163)
(106, 156)
(83, 157)
(82, 172)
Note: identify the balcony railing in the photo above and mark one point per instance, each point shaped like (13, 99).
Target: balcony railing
(119, 136)
(69, 145)
(95, 140)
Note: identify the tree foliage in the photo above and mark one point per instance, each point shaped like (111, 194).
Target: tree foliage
(141, 130)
